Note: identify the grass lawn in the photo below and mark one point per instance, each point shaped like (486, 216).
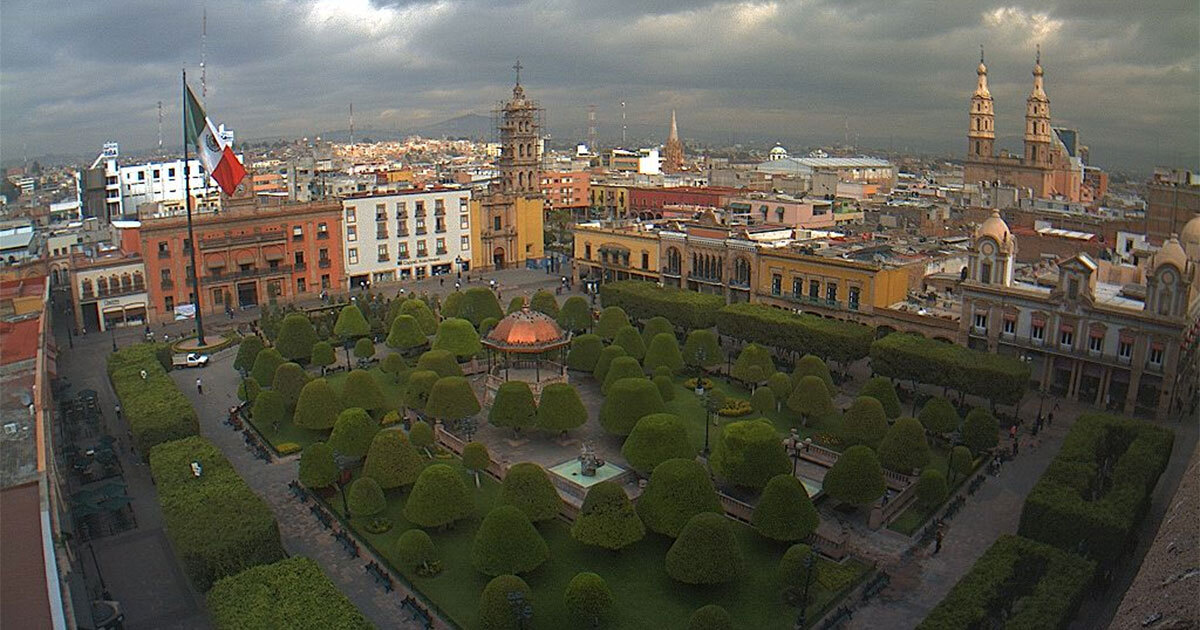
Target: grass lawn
(916, 515)
(646, 597)
(288, 432)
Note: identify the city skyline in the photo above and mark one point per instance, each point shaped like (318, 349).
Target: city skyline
(893, 74)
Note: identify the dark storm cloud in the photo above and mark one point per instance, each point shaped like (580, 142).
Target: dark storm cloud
(73, 75)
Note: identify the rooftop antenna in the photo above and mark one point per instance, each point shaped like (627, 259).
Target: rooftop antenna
(623, 124)
(160, 144)
(351, 124)
(592, 128)
(203, 58)
(846, 131)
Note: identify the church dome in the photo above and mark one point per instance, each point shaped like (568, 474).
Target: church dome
(996, 228)
(526, 331)
(1171, 252)
(1190, 236)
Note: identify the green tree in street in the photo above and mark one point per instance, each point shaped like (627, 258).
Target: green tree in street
(507, 543)
(607, 518)
(575, 314)
(296, 337)
(353, 432)
(248, 350)
(856, 477)
(880, 388)
(864, 422)
(318, 406)
(784, 511)
(289, 379)
(265, 364)
(904, 448)
(317, 466)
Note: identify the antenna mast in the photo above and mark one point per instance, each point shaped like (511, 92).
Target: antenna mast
(351, 124)
(203, 58)
(622, 124)
(592, 128)
(160, 148)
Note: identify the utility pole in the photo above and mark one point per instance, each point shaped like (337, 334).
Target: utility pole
(203, 59)
(160, 144)
(622, 124)
(351, 124)
(592, 128)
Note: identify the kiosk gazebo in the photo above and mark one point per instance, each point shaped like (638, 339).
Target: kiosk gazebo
(522, 347)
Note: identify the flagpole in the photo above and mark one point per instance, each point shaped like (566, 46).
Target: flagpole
(191, 234)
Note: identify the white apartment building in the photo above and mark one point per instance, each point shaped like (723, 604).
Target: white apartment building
(406, 235)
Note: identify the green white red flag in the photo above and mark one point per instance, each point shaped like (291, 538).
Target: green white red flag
(215, 154)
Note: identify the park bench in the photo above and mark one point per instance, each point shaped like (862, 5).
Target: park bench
(381, 577)
(419, 613)
(838, 618)
(322, 517)
(876, 585)
(975, 484)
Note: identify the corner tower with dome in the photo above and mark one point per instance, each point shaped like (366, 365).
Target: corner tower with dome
(1122, 347)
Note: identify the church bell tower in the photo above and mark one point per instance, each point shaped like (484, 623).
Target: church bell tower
(981, 135)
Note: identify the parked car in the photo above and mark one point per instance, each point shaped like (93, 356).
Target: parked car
(191, 359)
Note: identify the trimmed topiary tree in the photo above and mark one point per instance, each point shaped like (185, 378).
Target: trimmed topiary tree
(475, 457)
(627, 401)
(605, 360)
(763, 400)
(544, 301)
(655, 326)
(317, 466)
(706, 551)
(979, 430)
(452, 400)
(710, 617)
(931, 488)
(748, 453)
(353, 432)
(248, 389)
(784, 511)
(322, 355)
(364, 348)
(781, 386)
(751, 357)
(496, 609)
(393, 365)
(664, 352)
(458, 337)
(904, 448)
(318, 406)
(418, 387)
(575, 314)
(392, 461)
(880, 388)
(666, 387)
(507, 543)
(612, 320)
(961, 460)
(856, 477)
(678, 490)
(414, 550)
(794, 568)
(418, 310)
(248, 350)
(365, 498)
(439, 497)
(406, 334)
(864, 422)
(513, 408)
(487, 325)
(621, 367)
(439, 361)
(269, 409)
(351, 324)
(362, 390)
(289, 379)
(655, 439)
(588, 599)
(514, 305)
(265, 363)
(560, 408)
(631, 340)
(296, 337)
(701, 350)
(607, 518)
(585, 351)
(527, 487)
(938, 415)
(810, 399)
(478, 304)
(421, 436)
(812, 365)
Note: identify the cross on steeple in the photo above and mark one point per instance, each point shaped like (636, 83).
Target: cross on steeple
(517, 66)
(981, 53)
(1039, 55)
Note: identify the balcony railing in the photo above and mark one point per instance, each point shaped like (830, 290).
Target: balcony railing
(441, 251)
(421, 231)
(300, 266)
(244, 274)
(383, 258)
(164, 254)
(245, 239)
(324, 263)
(167, 283)
(674, 272)
(322, 235)
(812, 301)
(297, 237)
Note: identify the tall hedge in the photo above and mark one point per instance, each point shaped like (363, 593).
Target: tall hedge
(706, 551)
(701, 349)
(155, 409)
(678, 490)
(1075, 506)
(655, 439)
(864, 422)
(619, 368)
(585, 351)
(318, 406)
(856, 477)
(527, 487)
(218, 526)
(406, 334)
(832, 339)
(1018, 583)
(748, 453)
(627, 401)
(881, 389)
(916, 359)
(291, 593)
(612, 320)
(607, 518)
(753, 364)
(418, 310)
(507, 542)
(688, 310)
(664, 352)
(575, 314)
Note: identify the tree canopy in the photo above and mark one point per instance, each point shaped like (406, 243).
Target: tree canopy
(619, 368)
(678, 490)
(575, 314)
(248, 350)
(710, 617)
(904, 448)
(440, 361)
(785, 512)
(496, 603)
(689, 310)
(527, 487)
(753, 365)
(627, 401)
(438, 498)
(406, 334)
(864, 422)
(365, 498)
(458, 337)
(419, 310)
(391, 460)
(833, 339)
(612, 320)
(561, 408)
(810, 398)
(856, 477)
(655, 326)
(513, 407)
(630, 339)
(353, 432)
(265, 363)
(507, 543)
(362, 390)
(318, 406)
(269, 408)
(418, 387)
(938, 415)
(605, 360)
(296, 337)
(979, 430)
(322, 354)
(701, 350)
(880, 388)
(655, 439)
(452, 399)
(317, 466)
(706, 551)
(664, 352)
(364, 348)
(607, 518)
(812, 365)
(588, 599)
(749, 453)
(351, 324)
(585, 351)
(543, 301)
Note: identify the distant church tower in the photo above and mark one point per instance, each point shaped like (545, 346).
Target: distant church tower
(506, 226)
(673, 152)
(981, 135)
(1037, 119)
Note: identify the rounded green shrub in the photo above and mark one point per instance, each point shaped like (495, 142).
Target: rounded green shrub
(513, 408)
(318, 407)
(351, 324)
(979, 430)
(362, 390)
(418, 310)
(322, 354)
(585, 351)
(365, 498)
(353, 432)
(607, 518)
(248, 389)
(588, 599)
(938, 415)
(856, 477)
(666, 387)
(296, 337)
(415, 551)
(269, 408)
(560, 409)
(663, 351)
(655, 439)
(391, 460)
(880, 388)
(605, 360)
(364, 348)
(317, 466)
(248, 350)
(527, 487)
(265, 363)
(904, 448)
(706, 551)
(418, 387)
(458, 337)
(751, 357)
(439, 498)
(575, 314)
(810, 398)
(655, 326)
(544, 302)
(452, 399)
(621, 367)
(701, 350)
(631, 340)
(507, 543)
(784, 511)
(421, 435)
(439, 361)
(627, 401)
(812, 365)
(678, 490)
(710, 617)
(763, 400)
(749, 453)
(612, 320)
(931, 488)
(864, 422)
(496, 610)
(406, 334)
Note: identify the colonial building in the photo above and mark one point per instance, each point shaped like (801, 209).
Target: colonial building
(254, 252)
(109, 291)
(1047, 167)
(407, 235)
(1129, 347)
(507, 221)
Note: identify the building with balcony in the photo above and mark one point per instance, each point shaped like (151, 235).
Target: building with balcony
(252, 253)
(1129, 347)
(406, 235)
(108, 291)
(566, 190)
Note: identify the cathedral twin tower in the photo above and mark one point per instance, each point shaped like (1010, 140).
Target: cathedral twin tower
(982, 132)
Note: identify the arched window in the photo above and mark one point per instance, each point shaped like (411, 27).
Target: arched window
(138, 281)
(87, 287)
(102, 286)
(126, 282)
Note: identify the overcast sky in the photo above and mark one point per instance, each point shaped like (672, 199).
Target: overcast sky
(894, 72)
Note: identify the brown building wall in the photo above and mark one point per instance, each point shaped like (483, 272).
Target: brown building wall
(564, 190)
(1168, 208)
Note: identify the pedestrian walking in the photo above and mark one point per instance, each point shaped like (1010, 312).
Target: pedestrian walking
(117, 407)
(1050, 417)
(1012, 431)
(199, 385)
(143, 375)
(441, 282)
(1014, 447)
(937, 541)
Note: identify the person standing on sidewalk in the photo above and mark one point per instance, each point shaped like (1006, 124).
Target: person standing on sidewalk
(937, 541)
(199, 386)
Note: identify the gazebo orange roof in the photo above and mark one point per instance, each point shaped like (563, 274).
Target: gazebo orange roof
(526, 331)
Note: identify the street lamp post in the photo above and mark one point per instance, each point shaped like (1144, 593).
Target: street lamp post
(113, 333)
(808, 566)
(706, 402)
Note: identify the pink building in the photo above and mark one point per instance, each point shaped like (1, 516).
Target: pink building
(783, 210)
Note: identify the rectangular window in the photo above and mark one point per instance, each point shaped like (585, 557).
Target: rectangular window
(218, 296)
(301, 285)
(402, 227)
(383, 252)
(496, 223)
(466, 243)
(322, 230)
(401, 210)
(352, 254)
(852, 299)
(441, 246)
(981, 322)
(351, 233)
(645, 260)
(402, 251)
(1037, 332)
(297, 233)
(1155, 356)
(420, 225)
(1095, 343)
(380, 212)
(1066, 338)
(421, 250)
(351, 215)
(171, 172)
(985, 272)
(587, 251)
(463, 222)
(776, 284)
(462, 204)
(420, 209)
(439, 206)
(381, 230)
(1010, 326)
(169, 304)
(325, 281)
(299, 259)
(814, 289)
(797, 287)
(166, 274)
(439, 225)
(1125, 349)
(1073, 288)
(831, 292)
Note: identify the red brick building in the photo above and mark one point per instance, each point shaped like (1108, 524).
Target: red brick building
(566, 190)
(649, 202)
(254, 252)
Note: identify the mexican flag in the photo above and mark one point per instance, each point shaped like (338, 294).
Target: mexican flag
(216, 156)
